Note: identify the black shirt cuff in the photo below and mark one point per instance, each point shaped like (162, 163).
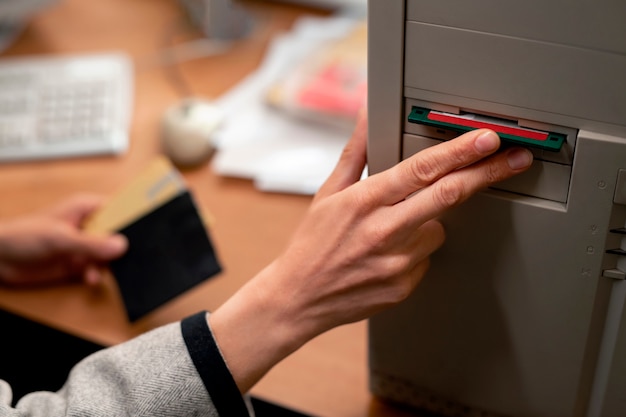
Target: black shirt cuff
(208, 360)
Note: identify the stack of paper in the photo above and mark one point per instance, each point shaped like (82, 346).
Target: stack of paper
(280, 152)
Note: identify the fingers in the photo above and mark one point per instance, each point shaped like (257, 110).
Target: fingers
(92, 275)
(351, 163)
(419, 245)
(431, 164)
(94, 252)
(459, 185)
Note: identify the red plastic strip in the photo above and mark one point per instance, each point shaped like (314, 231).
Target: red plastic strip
(477, 124)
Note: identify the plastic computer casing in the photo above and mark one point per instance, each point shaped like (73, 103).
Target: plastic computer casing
(521, 313)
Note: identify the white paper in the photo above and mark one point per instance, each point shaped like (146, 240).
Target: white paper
(278, 152)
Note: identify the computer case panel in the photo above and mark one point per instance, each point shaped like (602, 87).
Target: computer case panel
(521, 313)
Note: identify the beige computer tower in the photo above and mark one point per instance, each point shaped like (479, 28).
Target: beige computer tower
(522, 311)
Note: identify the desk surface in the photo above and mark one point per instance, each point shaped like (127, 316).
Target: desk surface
(328, 376)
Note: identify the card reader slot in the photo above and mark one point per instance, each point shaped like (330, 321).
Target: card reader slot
(509, 131)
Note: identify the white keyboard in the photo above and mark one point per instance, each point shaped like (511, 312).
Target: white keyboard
(64, 106)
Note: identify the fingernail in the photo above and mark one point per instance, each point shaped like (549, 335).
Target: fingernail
(118, 243)
(519, 158)
(487, 141)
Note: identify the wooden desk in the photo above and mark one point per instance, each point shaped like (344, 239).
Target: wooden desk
(327, 377)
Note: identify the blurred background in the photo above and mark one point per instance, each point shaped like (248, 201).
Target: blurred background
(281, 124)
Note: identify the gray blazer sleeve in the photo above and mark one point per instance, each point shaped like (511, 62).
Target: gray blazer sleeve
(174, 370)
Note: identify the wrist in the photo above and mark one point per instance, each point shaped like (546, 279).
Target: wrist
(255, 329)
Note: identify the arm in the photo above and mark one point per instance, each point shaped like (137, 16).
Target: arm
(159, 373)
(362, 247)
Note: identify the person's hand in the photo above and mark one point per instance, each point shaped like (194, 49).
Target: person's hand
(362, 247)
(49, 247)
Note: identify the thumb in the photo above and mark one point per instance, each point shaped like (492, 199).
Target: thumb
(76, 208)
(100, 248)
(351, 163)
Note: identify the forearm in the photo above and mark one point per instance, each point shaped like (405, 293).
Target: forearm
(154, 374)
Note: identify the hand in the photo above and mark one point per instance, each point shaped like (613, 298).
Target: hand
(362, 247)
(49, 247)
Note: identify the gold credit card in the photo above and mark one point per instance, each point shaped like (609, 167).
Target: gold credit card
(159, 183)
